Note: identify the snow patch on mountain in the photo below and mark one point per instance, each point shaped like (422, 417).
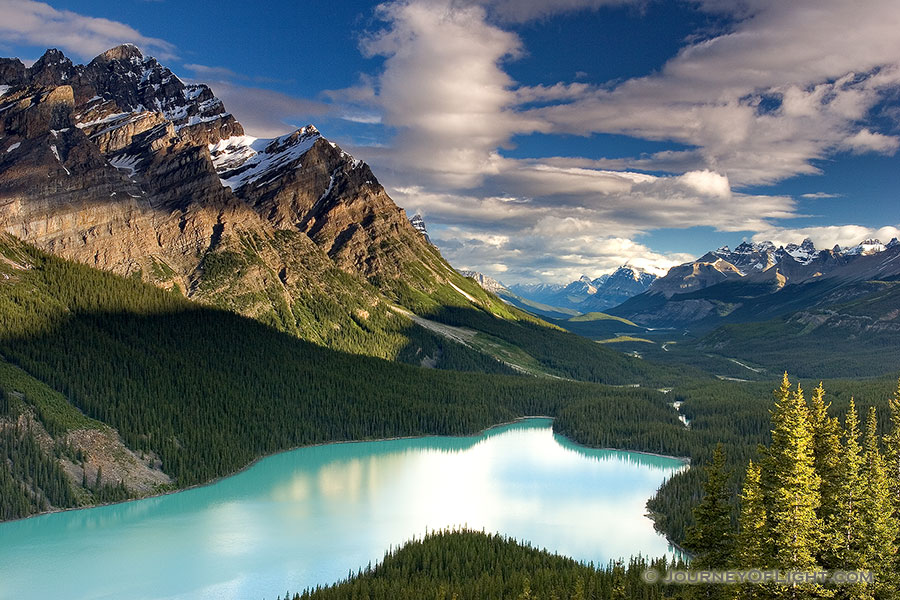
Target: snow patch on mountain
(865, 248)
(243, 159)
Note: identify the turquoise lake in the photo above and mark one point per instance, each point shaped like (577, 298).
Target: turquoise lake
(308, 516)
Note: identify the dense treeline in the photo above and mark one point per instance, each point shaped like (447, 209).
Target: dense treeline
(738, 415)
(822, 496)
(473, 566)
(611, 423)
(30, 480)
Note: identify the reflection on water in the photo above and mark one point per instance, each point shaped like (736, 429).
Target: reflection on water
(308, 516)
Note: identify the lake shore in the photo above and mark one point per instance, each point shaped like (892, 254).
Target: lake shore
(256, 461)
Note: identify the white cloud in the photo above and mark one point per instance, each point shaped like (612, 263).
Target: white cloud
(790, 84)
(828, 236)
(444, 89)
(824, 63)
(39, 24)
(869, 141)
(535, 254)
(207, 72)
(708, 183)
(819, 195)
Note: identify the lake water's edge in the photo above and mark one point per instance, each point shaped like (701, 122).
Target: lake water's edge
(255, 461)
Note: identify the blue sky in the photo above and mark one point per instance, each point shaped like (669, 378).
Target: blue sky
(543, 139)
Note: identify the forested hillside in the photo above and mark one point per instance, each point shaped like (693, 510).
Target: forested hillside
(465, 565)
(196, 393)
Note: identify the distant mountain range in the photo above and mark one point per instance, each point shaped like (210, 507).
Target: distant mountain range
(756, 281)
(584, 295)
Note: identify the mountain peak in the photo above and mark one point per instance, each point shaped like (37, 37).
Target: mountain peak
(51, 69)
(51, 56)
(418, 224)
(122, 52)
(488, 283)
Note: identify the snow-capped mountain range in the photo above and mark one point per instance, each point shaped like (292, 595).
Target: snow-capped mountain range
(763, 261)
(759, 280)
(583, 295)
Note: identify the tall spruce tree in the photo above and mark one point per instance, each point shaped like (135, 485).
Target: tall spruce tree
(879, 527)
(845, 546)
(711, 538)
(753, 541)
(826, 451)
(794, 483)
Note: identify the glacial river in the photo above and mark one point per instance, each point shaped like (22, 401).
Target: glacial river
(308, 516)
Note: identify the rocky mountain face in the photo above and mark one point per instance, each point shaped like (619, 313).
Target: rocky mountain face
(589, 295)
(617, 287)
(418, 222)
(757, 280)
(120, 165)
(488, 283)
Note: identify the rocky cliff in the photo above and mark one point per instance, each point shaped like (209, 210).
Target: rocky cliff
(120, 165)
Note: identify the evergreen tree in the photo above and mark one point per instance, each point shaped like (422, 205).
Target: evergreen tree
(753, 549)
(792, 489)
(794, 483)
(878, 525)
(892, 457)
(753, 543)
(826, 450)
(711, 537)
(845, 545)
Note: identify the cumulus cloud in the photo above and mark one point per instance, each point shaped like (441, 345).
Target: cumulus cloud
(444, 89)
(869, 141)
(820, 66)
(569, 228)
(707, 182)
(827, 236)
(532, 256)
(39, 24)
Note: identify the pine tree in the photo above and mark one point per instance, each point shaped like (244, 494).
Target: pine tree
(879, 527)
(753, 543)
(794, 483)
(826, 451)
(711, 537)
(845, 545)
